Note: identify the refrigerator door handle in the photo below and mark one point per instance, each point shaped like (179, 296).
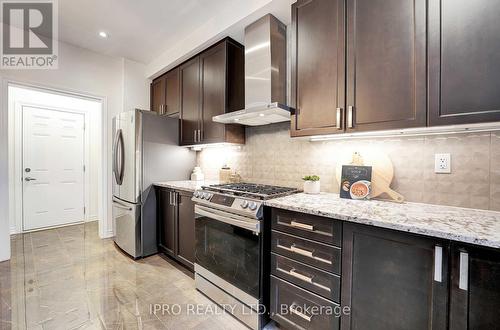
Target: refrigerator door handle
(115, 157)
(122, 156)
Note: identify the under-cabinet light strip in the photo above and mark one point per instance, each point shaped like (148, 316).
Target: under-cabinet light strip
(427, 131)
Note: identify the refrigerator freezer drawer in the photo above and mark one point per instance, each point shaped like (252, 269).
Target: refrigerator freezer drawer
(127, 218)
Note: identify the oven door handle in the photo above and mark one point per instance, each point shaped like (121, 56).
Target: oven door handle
(230, 220)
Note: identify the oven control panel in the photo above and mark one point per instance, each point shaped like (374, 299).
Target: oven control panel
(243, 206)
(222, 200)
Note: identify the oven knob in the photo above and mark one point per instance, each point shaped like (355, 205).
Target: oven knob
(196, 194)
(206, 196)
(244, 204)
(252, 206)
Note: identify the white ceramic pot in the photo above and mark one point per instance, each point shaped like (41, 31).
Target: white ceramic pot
(312, 187)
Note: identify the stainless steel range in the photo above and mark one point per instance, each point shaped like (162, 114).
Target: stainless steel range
(229, 244)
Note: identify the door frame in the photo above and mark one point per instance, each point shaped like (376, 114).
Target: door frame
(19, 162)
(104, 175)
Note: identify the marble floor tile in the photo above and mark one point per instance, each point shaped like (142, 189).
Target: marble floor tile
(68, 278)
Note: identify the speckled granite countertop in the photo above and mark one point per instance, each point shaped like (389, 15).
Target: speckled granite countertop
(479, 227)
(186, 185)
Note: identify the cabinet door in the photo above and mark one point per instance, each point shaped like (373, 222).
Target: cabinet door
(464, 61)
(386, 64)
(186, 238)
(190, 100)
(166, 221)
(158, 87)
(172, 96)
(475, 288)
(213, 89)
(393, 280)
(318, 74)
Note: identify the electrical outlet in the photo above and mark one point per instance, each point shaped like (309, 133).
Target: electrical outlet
(442, 163)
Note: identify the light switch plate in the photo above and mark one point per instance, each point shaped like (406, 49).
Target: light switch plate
(442, 163)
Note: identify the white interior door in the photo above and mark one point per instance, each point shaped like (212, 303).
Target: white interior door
(53, 168)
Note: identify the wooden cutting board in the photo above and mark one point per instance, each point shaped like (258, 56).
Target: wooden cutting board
(382, 172)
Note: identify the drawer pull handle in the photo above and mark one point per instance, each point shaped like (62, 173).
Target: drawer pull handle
(300, 276)
(303, 252)
(293, 309)
(301, 225)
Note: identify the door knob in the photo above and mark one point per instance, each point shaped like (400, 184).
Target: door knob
(29, 179)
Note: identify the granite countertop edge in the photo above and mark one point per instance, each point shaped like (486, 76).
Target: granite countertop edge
(185, 185)
(464, 235)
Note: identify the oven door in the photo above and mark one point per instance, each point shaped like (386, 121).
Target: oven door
(228, 246)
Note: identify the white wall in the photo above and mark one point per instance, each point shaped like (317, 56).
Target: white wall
(230, 22)
(80, 71)
(91, 109)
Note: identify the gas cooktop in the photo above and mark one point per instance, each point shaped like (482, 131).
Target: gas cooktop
(260, 191)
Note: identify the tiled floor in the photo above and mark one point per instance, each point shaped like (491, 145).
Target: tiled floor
(68, 278)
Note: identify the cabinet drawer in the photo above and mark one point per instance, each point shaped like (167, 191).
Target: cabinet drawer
(320, 282)
(308, 226)
(296, 308)
(311, 253)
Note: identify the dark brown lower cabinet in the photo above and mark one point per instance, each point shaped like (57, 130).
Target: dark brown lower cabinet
(475, 288)
(185, 228)
(176, 225)
(393, 280)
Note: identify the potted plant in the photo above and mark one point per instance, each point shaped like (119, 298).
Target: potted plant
(311, 184)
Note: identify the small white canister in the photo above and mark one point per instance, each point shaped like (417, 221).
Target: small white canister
(197, 174)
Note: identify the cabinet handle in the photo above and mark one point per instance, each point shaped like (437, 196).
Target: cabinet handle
(301, 225)
(303, 252)
(350, 113)
(463, 279)
(170, 198)
(339, 118)
(195, 135)
(199, 135)
(438, 263)
(293, 309)
(174, 198)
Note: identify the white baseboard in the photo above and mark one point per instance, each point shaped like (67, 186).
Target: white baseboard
(13, 230)
(108, 234)
(92, 218)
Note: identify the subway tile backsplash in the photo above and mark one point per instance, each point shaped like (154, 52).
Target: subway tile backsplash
(270, 156)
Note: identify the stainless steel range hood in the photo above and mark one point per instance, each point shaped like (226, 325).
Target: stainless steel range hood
(265, 75)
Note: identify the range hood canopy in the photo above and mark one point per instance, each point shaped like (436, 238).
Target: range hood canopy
(265, 76)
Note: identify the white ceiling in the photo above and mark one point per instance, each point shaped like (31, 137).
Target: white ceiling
(137, 30)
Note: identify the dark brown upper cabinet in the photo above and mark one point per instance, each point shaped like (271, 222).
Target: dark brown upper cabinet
(158, 92)
(464, 61)
(165, 97)
(212, 83)
(190, 101)
(318, 67)
(386, 64)
(371, 76)
(172, 93)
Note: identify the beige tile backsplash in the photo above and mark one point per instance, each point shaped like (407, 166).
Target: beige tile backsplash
(270, 156)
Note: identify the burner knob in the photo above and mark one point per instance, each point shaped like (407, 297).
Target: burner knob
(196, 194)
(244, 204)
(206, 195)
(252, 206)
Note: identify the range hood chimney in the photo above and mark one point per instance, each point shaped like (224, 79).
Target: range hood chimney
(265, 75)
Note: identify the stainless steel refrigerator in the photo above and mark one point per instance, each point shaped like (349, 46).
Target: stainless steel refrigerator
(145, 150)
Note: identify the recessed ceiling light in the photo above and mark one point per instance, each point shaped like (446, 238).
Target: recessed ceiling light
(103, 34)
